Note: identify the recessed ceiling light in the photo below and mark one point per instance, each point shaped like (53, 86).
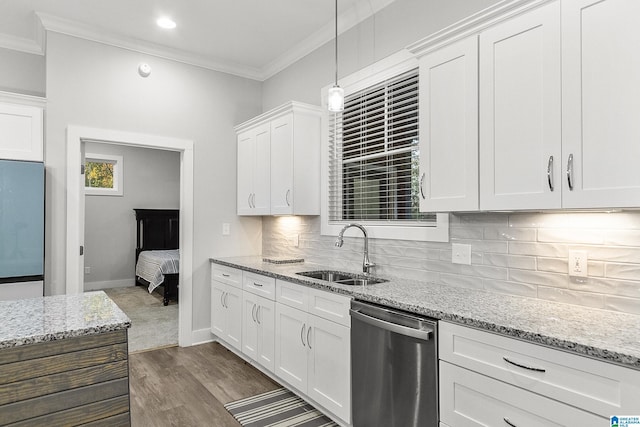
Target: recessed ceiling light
(166, 23)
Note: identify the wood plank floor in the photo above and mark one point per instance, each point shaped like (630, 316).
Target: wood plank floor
(188, 386)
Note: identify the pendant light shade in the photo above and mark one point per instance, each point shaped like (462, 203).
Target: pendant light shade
(335, 99)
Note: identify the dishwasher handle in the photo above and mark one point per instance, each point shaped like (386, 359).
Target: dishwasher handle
(424, 335)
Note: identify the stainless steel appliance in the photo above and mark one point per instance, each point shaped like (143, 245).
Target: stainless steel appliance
(394, 368)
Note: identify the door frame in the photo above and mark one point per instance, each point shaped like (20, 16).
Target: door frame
(75, 210)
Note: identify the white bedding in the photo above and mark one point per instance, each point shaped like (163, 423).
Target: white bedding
(153, 265)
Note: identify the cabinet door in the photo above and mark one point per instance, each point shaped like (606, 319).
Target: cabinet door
(261, 171)
(520, 106)
(601, 94)
(249, 325)
(449, 128)
(233, 304)
(266, 317)
(246, 160)
(291, 346)
(218, 312)
(329, 366)
(20, 132)
(282, 165)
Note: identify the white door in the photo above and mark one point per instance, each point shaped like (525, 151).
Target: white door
(266, 317)
(291, 346)
(329, 366)
(282, 165)
(449, 128)
(233, 305)
(218, 312)
(261, 171)
(249, 325)
(246, 160)
(520, 106)
(601, 103)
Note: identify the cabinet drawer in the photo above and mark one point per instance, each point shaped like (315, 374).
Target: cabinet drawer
(470, 399)
(292, 294)
(330, 306)
(259, 285)
(596, 386)
(228, 275)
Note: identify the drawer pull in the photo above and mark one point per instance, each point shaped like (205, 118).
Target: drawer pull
(519, 365)
(509, 423)
(257, 284)
(225, 275)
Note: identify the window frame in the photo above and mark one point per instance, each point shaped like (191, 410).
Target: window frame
(118, 175)
(387, 68)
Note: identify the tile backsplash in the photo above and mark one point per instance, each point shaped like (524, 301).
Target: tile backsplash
(514, 253)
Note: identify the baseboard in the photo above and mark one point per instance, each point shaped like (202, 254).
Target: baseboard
(107, 284)
(202, 336)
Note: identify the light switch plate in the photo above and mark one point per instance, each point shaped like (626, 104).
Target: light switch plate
(461, 254)
(578, 263)
(226, 228)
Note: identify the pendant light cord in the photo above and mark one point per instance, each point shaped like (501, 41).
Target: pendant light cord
(336, 49)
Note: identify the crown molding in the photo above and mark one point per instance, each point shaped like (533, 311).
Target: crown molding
(83, 31)
(21, 44)
(287, 107)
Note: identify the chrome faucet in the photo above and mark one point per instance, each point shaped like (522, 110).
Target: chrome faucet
(366, 263)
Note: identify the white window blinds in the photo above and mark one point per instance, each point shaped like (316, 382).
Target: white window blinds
(373, 144)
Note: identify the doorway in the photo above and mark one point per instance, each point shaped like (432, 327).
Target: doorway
(76, 135)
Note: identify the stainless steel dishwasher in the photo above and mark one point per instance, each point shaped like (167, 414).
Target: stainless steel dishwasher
(394, 368)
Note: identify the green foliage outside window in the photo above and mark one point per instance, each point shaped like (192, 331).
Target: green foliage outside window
(98, 174)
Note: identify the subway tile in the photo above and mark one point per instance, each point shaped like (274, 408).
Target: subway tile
(622, 271)
(553, 265)
(539, 278)
(571, 235)
(510, 234)
(588, 220)
(626, 305)
(585, 299)
(608, 286)
(622, 237)
(553, 250)
(475, 233)
(595, 268)
(460, 281)
(511, 288)
(610, 254)
(484, 218)
(511, 261)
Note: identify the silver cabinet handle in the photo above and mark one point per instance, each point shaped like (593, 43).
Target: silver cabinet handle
(257, 284)
(519, 365)
(258, 314)
(222, 299)
(253, 313)
(308, 340)
(286, 197)
(253, 200)
(509, 423)
(226, 297)
(225, 275)
(570, 171)
(422, 185)
(302, 335)
(249, 200)
(550, 172)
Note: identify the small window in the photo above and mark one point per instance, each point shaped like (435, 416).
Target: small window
(103, 175)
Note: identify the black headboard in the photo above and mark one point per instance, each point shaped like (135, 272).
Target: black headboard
(157, 229)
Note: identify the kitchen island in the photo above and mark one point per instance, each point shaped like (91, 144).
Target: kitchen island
(604, 335)
(64, 361)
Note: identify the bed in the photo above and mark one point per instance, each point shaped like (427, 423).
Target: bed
(157, 253)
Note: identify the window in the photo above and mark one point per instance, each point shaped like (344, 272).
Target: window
(372, 168)
(103, 175)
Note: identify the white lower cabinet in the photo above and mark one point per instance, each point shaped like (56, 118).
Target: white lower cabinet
(313, 354)
(490, 379)
(226, 313)
(258, 329)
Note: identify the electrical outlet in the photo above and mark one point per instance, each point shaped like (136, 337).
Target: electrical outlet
(294, 240)
(578, 263)
(226, 228)
(461, 254)
(87, 270)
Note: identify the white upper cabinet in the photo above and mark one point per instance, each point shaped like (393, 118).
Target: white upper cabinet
(21, 133)
(254, 146)
(287, 159)
(601, 103)
(520, 112)
(449, 128)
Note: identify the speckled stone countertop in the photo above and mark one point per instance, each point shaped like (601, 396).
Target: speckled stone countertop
(36, 320)
(606, 335)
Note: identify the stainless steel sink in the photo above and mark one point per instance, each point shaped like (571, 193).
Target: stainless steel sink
(342, 278)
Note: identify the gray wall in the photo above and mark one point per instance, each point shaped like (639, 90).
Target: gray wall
(388, 31)
(151, 181)
(22, 72)
(96, 85)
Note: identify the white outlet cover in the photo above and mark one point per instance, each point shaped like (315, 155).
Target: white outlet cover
(226, 228)
(577, 264)
(461, 254)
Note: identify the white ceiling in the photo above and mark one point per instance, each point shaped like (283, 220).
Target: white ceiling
(250, 38)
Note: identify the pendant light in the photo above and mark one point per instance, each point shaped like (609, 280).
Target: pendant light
(335, 101)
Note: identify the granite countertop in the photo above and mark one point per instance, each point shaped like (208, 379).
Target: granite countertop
(607, 335)
(36, 320)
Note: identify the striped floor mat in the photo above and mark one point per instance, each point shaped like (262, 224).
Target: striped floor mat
(277, 408)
